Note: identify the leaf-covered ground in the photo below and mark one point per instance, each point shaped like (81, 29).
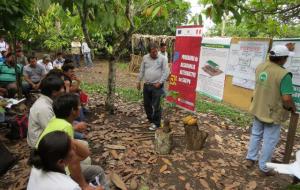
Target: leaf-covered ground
(219, 165)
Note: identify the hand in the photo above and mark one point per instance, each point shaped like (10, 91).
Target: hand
(138, 86)
(88, 187)
(99, 188)
(157, 85)
(81, 126)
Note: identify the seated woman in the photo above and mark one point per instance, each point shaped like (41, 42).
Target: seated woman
(55, 152)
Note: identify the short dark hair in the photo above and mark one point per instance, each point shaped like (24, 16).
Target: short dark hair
(163, 44)
(55, 72)
(3, 52)
(68, 61)
(64, 104)
(50, 84)
(67, 66)
(8, 55)
(277, 59)
(52, 147)
(59, 53)
(30, 58)
(152, 46)
(18, 50)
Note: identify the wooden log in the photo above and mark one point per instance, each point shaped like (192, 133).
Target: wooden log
(290, 137)
(163, 142)
(164, 139)
(195, 138)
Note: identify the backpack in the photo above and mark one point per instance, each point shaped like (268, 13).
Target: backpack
(18, 127)
(7, 160)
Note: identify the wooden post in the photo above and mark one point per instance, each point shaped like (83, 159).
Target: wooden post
(290, 137)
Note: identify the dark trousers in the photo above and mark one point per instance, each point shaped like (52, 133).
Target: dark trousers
(152, 106)
(76, 59)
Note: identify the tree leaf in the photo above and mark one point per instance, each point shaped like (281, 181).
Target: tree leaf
(163, 168)
(166, 161)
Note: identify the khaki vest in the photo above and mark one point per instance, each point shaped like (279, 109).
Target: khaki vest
(267, 103)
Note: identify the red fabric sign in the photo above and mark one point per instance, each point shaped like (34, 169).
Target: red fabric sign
(184, 72)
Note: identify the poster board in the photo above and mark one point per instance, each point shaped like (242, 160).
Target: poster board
(237, 95)
(213, 60)
(184, 70)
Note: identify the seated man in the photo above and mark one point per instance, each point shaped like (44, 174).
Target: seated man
(66, 109)
(21, 58)
(72, 83)
(41, 111)
(8, 75)
(33, 74)
(59, 61)
(46, 62)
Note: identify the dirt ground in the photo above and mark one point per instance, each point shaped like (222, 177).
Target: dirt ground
(219, 165)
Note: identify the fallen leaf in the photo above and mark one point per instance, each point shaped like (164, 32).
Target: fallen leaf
(204, 184)
(218, 138)
(114, 154)
(117, 181)
(133, 184)
(115, 147)
(182, 178)
(166, 161)
(251, 185)
(163, 168)
(187, 186)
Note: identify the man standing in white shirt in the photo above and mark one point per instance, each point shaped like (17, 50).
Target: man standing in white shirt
(75, 50)
(155, 71)
(163, 51)
(86, 51)
(3, 45)
(46, 62)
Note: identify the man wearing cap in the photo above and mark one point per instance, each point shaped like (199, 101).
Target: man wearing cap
(272, 101)
(75, 50)
(46, 63)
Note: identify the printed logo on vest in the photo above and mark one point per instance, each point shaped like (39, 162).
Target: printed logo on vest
(263, 76)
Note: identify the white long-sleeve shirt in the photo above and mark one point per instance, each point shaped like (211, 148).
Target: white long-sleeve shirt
(85, 48)
(154, 70)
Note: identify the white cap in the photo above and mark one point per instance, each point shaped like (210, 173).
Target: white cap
(279, 51)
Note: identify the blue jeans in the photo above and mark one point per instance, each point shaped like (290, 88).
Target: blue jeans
(269, 134)
(87, 59)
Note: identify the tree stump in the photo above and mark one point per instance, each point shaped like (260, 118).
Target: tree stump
(195, 138)
(163, 139)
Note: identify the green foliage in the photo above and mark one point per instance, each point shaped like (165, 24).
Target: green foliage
(54, 28)
(271, 28)
(236, 116)
(127, 94)
(293, 187)
(261, 18)
(12, 12)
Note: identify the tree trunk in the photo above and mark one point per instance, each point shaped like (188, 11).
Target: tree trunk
(111, 86)
(194, 137)
(163, 142)
(83, 18)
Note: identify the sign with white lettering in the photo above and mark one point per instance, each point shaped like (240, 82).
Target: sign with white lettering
(184, 71)
(213, 60)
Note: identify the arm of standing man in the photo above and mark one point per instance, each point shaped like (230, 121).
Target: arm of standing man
(141, 74)
(286, 90)
(165, 73)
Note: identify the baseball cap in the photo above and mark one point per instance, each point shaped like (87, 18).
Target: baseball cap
(279, 51)
(47, 57)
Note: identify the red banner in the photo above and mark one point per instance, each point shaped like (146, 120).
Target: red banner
(184, 72)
